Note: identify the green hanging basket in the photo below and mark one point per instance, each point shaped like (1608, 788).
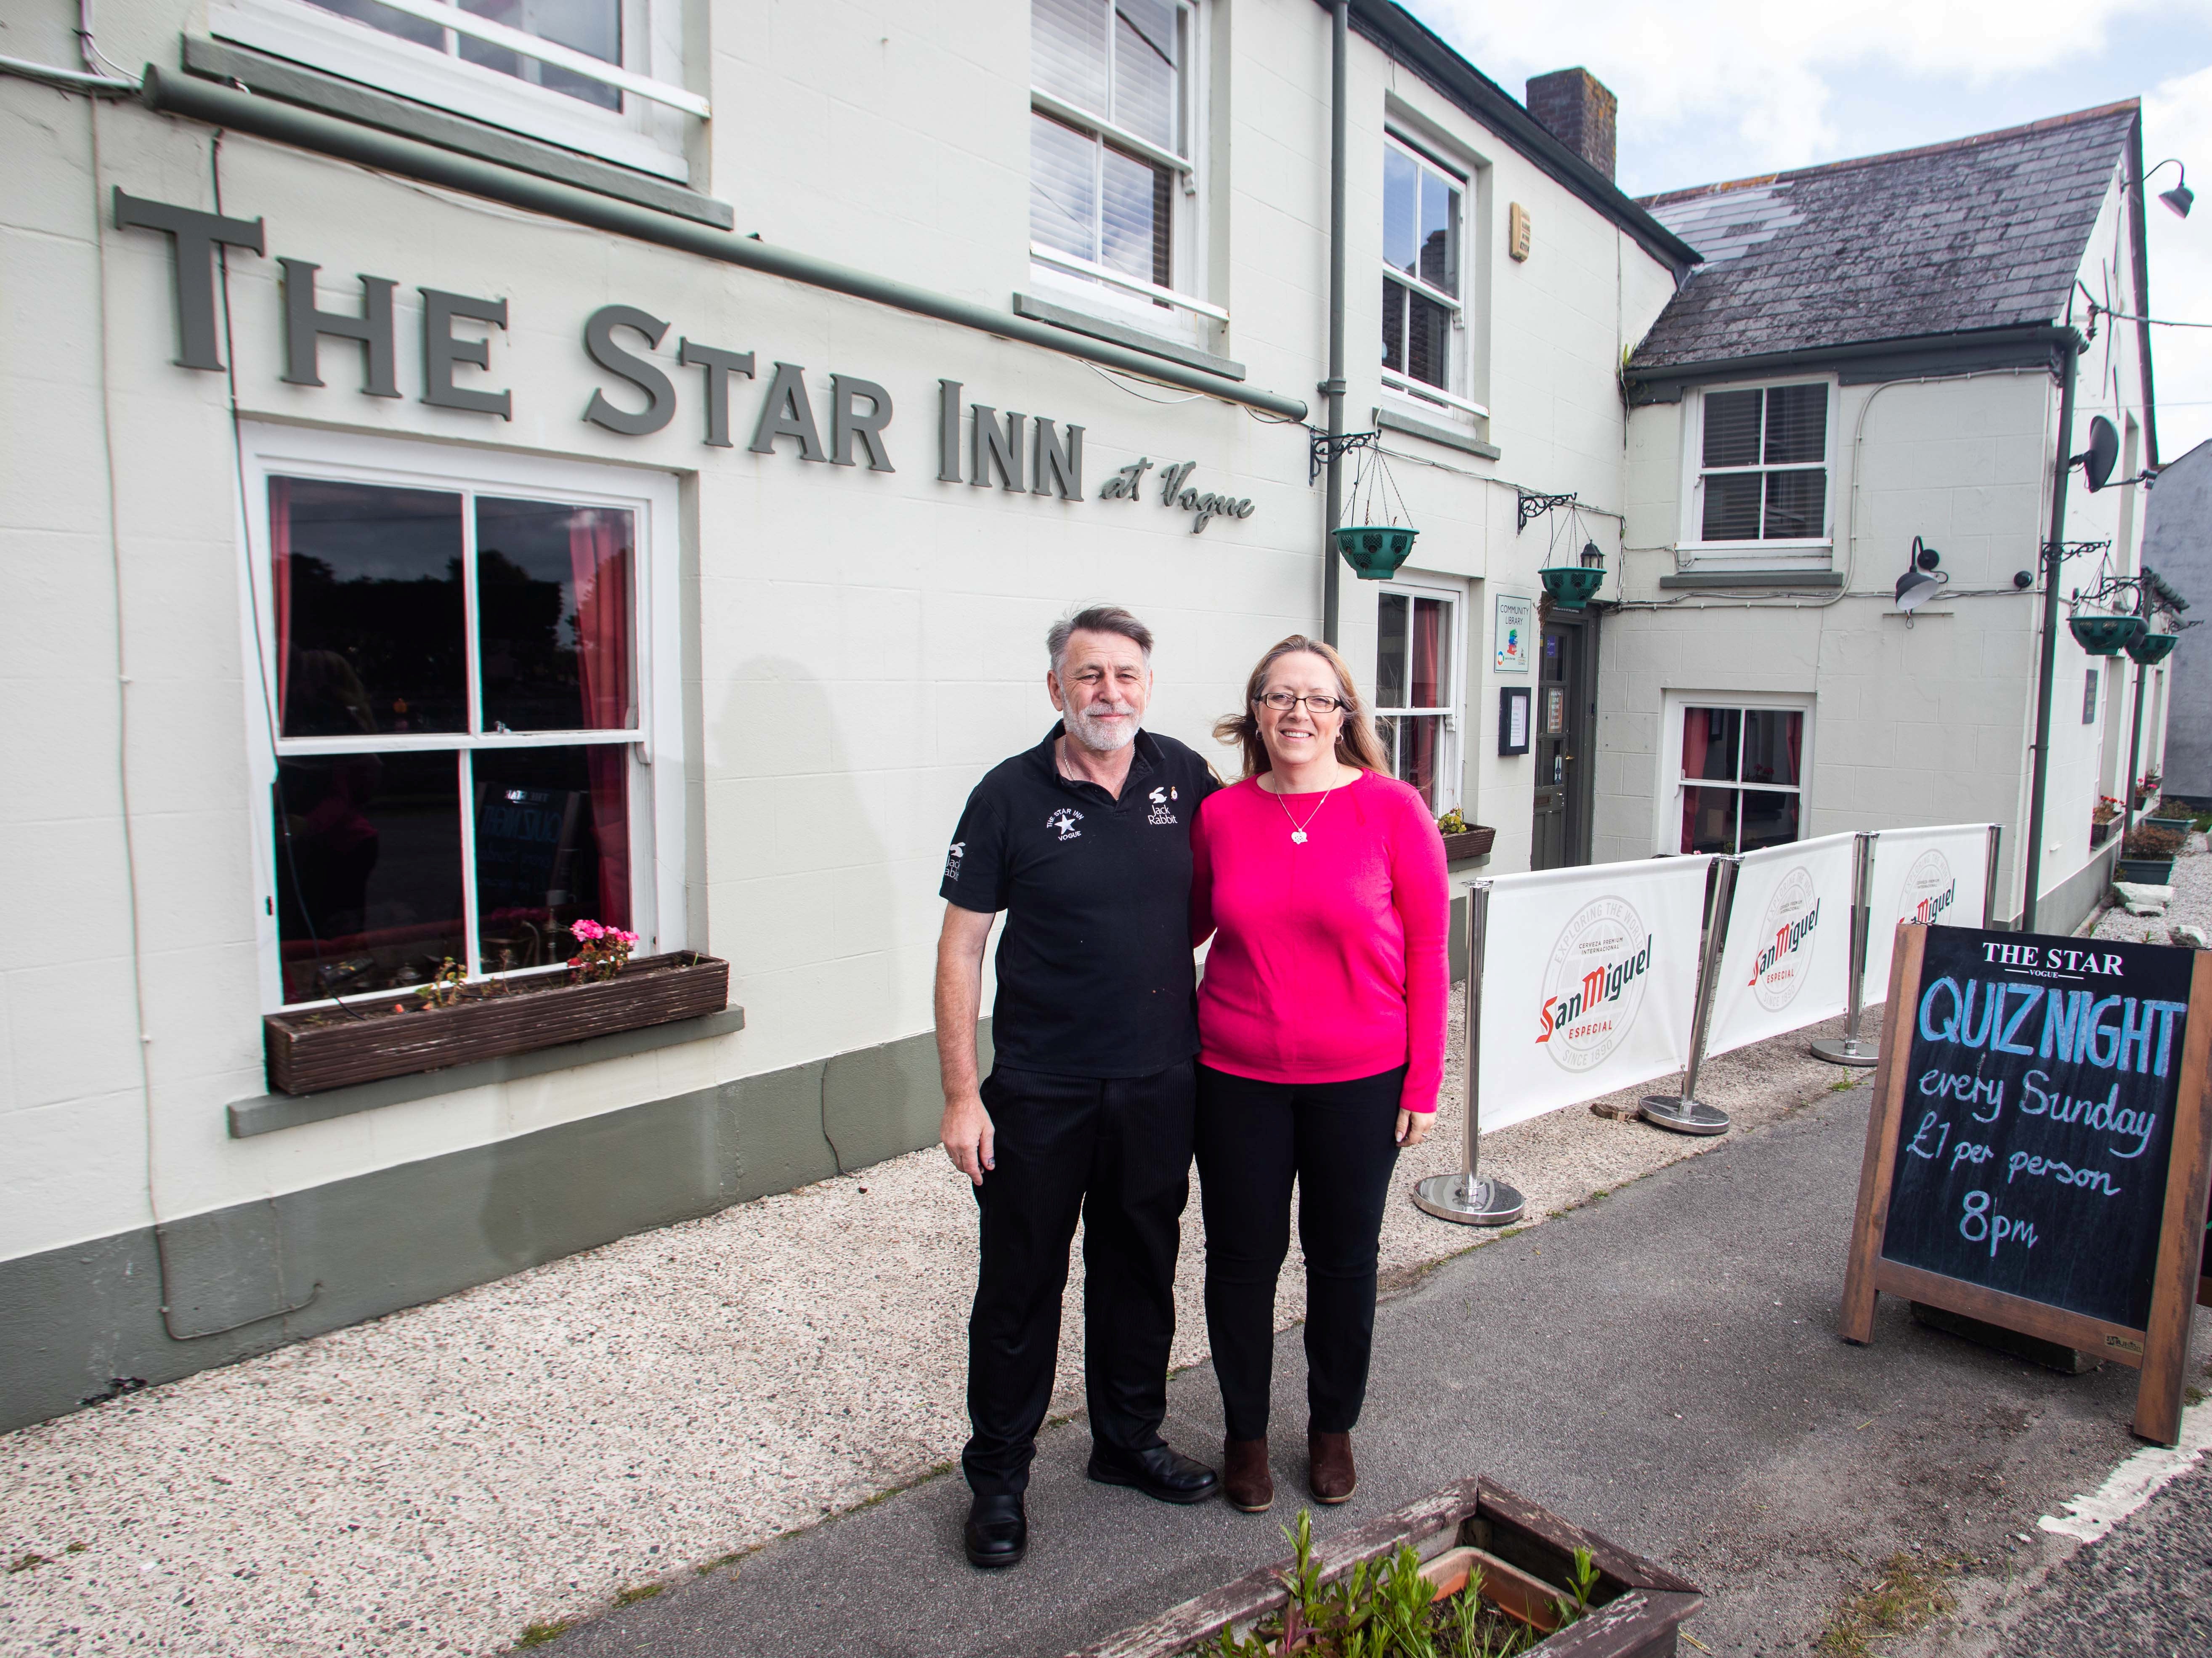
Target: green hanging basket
(1374, 550)
(2151, 649)
(2106, 635)
(1572, 586)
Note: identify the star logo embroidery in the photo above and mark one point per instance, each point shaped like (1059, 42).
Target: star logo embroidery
(1065, 821)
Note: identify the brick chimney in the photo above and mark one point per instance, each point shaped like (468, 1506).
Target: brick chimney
(1574, 107)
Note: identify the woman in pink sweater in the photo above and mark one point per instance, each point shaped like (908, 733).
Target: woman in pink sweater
(1321, 1021)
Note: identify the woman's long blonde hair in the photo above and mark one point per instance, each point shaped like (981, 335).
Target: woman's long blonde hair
(1356, 742)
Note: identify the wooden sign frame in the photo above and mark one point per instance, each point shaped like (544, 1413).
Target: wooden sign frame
(2159, 1352)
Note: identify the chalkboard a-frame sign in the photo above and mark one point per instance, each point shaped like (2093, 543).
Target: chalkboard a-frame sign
(2037, 1156)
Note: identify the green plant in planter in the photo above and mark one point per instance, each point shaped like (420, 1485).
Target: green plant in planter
(444, 989)
(1452, 823)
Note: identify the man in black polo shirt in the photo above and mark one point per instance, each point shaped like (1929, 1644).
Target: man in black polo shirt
(1085, 842)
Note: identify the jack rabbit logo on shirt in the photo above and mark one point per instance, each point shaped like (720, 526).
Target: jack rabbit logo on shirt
(1161, 812)
(1065, 821)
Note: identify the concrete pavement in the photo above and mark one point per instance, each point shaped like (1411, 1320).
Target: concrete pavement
(1660, 1364)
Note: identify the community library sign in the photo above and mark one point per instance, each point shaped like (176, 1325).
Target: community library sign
(1018, 453)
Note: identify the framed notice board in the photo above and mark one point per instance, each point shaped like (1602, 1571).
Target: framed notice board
(2037, 1156)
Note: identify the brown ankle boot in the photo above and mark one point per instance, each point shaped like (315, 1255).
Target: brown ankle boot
(1331, 1475)
(1245, 1480)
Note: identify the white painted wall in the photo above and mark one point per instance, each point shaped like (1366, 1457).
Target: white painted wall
(859, 648)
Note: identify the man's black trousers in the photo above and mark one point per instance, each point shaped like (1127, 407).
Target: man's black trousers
(1115, 1151)
(1340, 1142)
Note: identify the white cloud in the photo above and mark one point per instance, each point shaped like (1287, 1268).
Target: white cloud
(2177, 121)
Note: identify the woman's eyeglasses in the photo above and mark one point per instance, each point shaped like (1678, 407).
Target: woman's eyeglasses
(1284, 702)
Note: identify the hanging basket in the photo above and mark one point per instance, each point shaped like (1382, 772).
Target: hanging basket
(1571, 585)
(1375, 551)
(2151, 649)
(2106, 635)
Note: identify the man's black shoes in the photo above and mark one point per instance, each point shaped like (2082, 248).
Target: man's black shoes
(1162, 1472)
(997, 1533)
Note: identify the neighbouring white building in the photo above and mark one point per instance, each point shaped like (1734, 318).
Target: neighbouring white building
(467, 480)
(2178, 544)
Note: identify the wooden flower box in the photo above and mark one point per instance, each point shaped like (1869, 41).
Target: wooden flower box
(323, 1047)
(1469, 843)
(1526, 1554)
(2101, 830)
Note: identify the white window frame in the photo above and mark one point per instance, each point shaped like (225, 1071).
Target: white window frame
(648, 133)
(656, 746)
(1179, 311)
(1450, 771)
(1419, 395)
(1667, 816)
(1811, 552)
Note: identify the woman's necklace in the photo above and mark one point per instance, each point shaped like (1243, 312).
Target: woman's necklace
(1299, 830)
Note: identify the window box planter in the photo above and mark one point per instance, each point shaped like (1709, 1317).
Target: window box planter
(1527, 1558)
(2144, 872)
(1469, 843)
(316, 1049)
(2101, 830)
(2171, 825)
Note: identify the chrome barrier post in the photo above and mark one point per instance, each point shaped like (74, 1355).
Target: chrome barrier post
(1849, 1049)
(1466, 1197)
(1685, 1114)
(1990, 878)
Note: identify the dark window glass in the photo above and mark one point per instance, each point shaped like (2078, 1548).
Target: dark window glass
(1709, 743)
(369, 621)
(1769, 820)
(552, 844)
(1732, 429)
(1432, 653)
(1428, 340)
(1394, 326)
(2089, 701)
(368, 870)
(1795, 504)
(1731, 506)
(591, 27)
(1796, 425)
(1419, 735)
(553, 604)
(1709, 819)
(1770, 739)
(1401, 210)
(1391, 610)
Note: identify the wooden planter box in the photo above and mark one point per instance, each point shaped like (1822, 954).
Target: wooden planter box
(2101, 830)
(1471, 843)
(1526, 1553)
(326, 1048)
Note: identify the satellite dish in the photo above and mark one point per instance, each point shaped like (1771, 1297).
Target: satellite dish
(2104, 450)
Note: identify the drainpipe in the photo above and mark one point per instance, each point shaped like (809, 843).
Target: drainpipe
(2054, 556)
(1333, 388)
(2135, 744)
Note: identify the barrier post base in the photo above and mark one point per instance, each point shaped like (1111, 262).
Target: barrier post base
(1854, 1051)
(1683, 1116)
(1476, 1202)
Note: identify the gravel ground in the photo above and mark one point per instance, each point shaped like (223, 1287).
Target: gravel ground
(439, 1480)
(2192, 903)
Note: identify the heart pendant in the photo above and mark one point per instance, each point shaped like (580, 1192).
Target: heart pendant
(1298, 835)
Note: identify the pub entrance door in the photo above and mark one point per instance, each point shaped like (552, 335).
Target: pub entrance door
(1560, 748)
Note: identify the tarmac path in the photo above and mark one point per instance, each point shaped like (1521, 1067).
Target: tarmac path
(1660, 1364)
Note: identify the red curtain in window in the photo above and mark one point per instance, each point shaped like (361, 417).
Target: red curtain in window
(598, 558)
(279, 564)
(1696, 732)
(1420, 751)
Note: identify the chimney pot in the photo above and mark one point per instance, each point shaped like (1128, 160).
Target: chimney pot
(1576, 108)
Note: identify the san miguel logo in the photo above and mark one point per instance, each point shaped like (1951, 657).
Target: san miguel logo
(1785, 941)
(1594, 983)
(1930, 889)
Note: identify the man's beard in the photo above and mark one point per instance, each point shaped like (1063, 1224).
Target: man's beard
(1100, 737)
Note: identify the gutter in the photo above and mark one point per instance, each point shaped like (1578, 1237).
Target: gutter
(241, 111)
(2032, 341)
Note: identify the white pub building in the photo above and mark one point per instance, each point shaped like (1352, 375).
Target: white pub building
(470, 475)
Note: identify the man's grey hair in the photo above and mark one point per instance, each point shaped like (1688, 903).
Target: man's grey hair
(1097, 619)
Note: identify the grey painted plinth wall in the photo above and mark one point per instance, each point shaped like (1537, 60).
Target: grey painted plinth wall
(74, 1322)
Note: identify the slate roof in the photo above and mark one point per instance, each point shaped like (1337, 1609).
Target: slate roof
(1985, 232)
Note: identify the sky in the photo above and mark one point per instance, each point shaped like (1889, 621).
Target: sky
(1715, 89)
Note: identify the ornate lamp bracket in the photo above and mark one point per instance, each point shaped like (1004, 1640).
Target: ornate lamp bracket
(1534, 506)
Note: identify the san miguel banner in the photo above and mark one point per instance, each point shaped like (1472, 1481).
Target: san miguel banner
(1587, 981)
(1933, 877)
(1788, 959)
